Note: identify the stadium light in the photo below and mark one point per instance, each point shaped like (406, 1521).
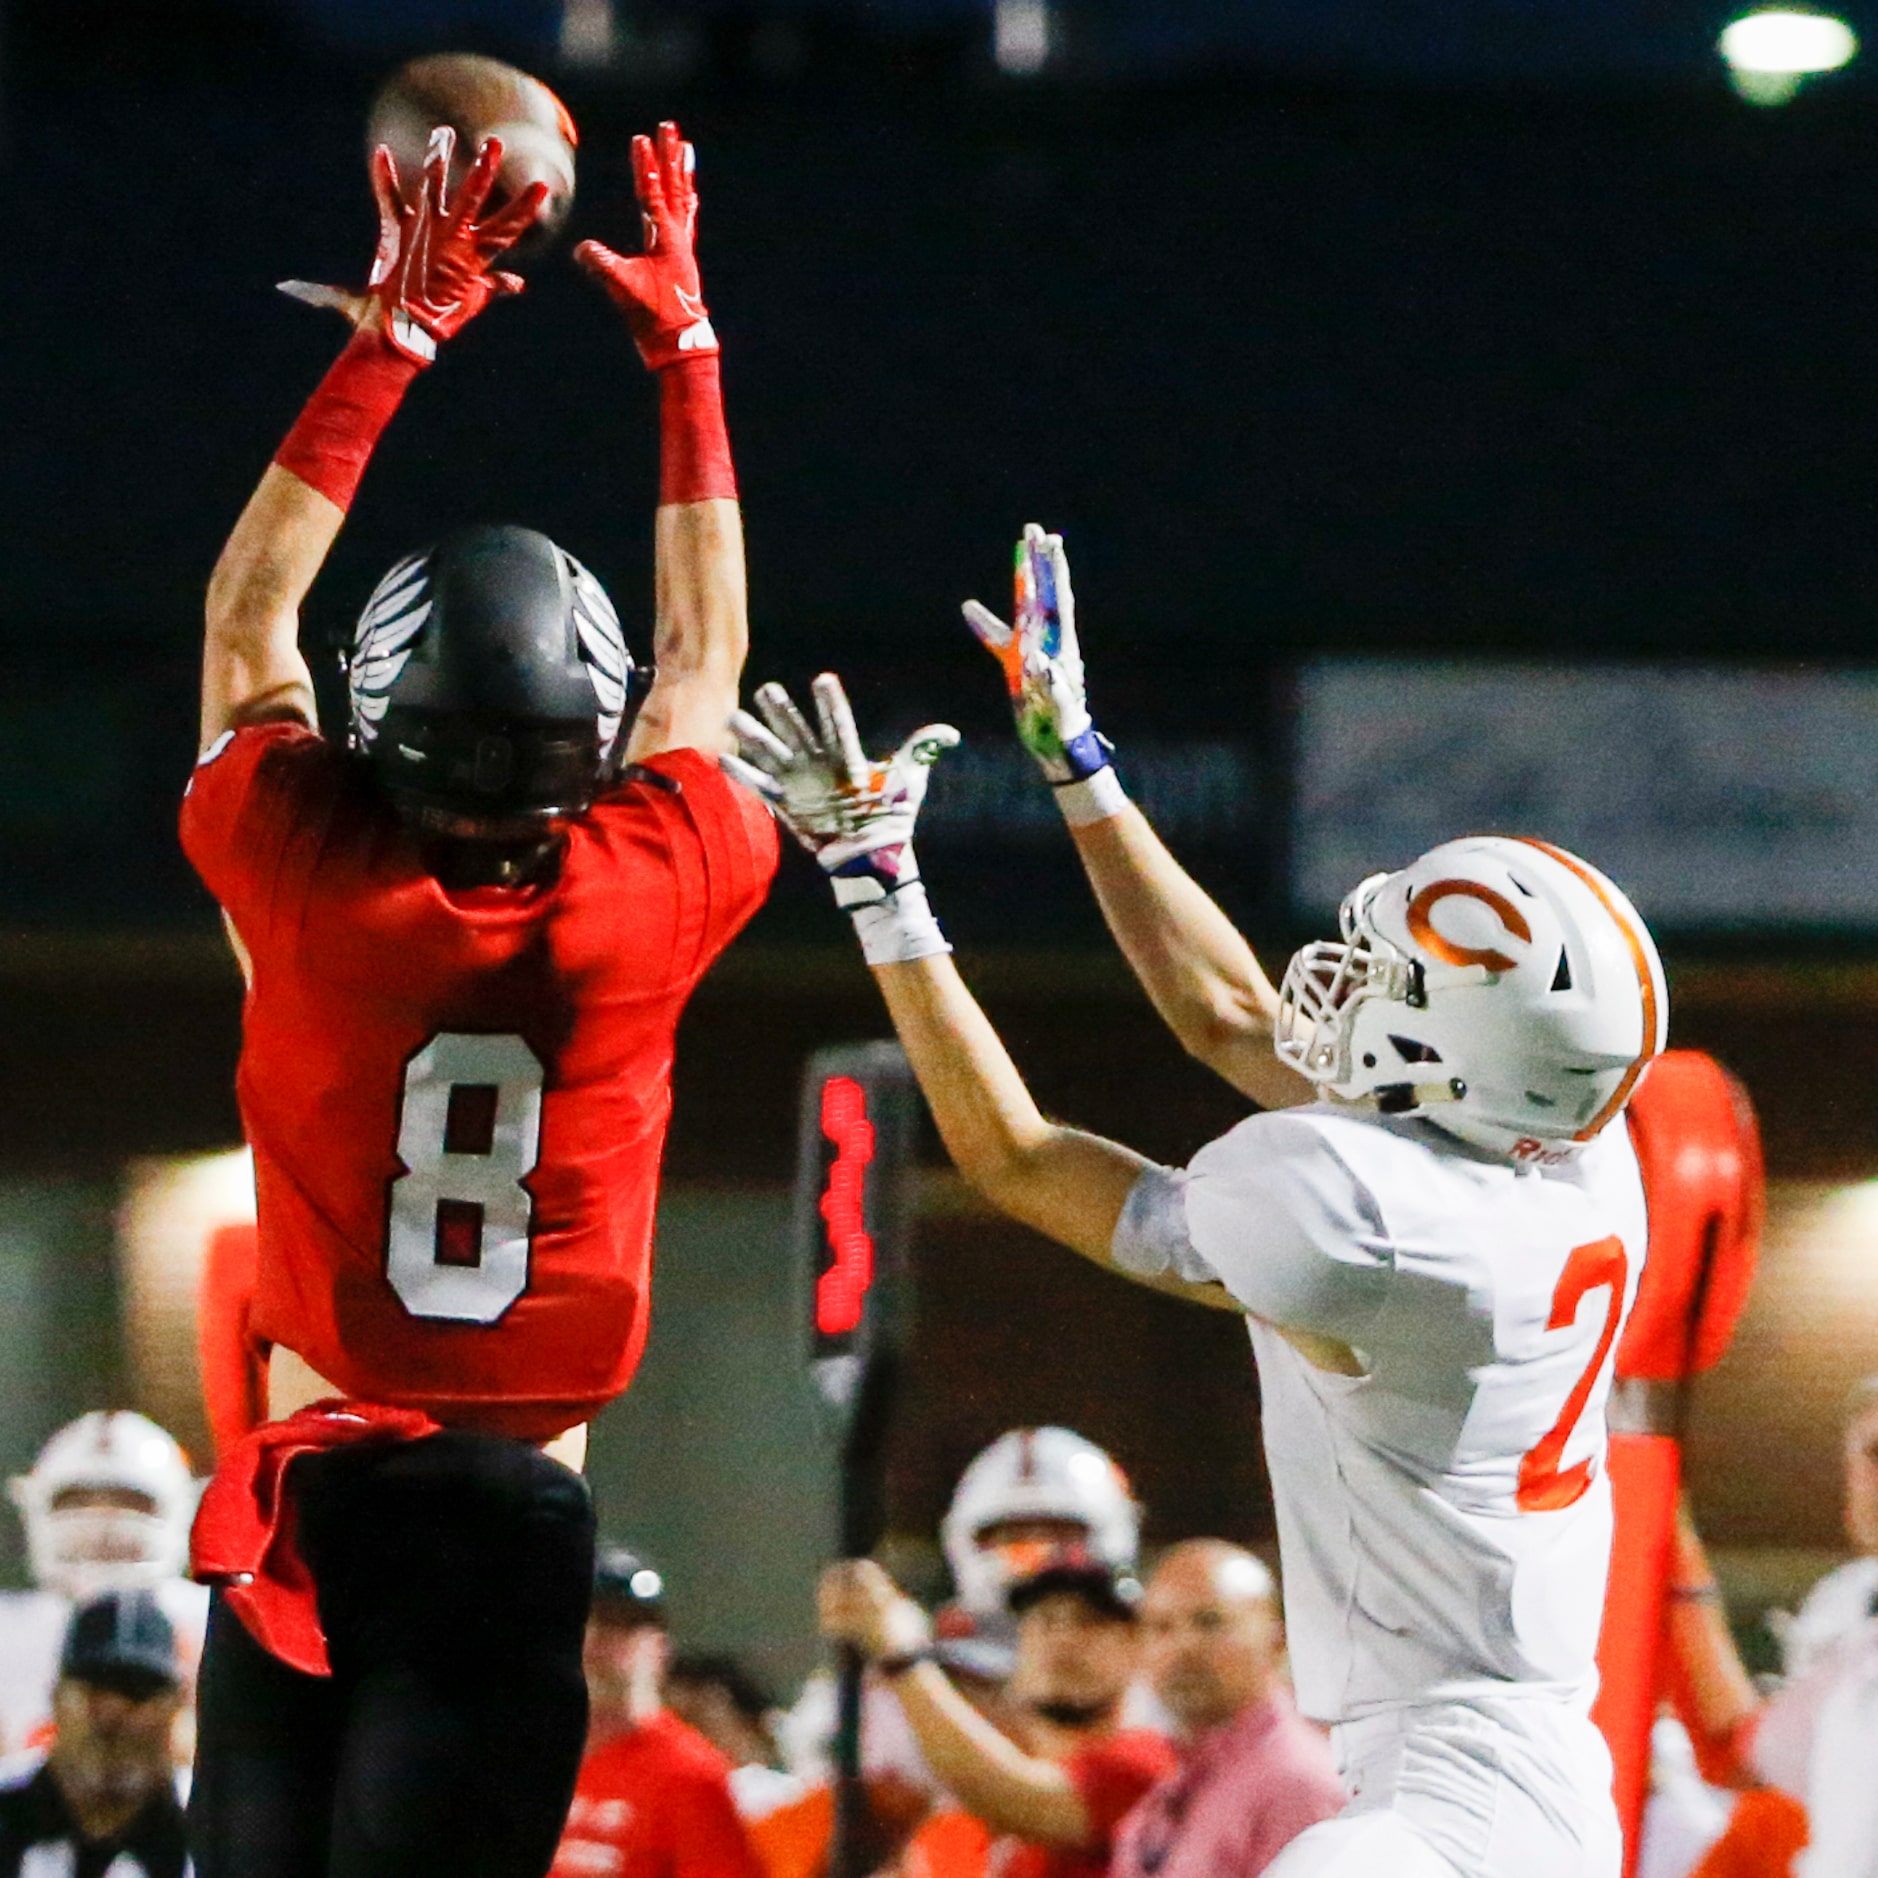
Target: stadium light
(1021, 36)
(1770, 53)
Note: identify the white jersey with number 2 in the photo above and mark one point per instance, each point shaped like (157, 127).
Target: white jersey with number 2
(1444, 1518)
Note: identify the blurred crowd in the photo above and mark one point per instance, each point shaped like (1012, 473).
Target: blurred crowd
(1066, 1714)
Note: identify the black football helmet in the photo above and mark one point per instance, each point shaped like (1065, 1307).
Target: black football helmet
(489, 685)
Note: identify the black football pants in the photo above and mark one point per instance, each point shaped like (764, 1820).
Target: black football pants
(454, 1578)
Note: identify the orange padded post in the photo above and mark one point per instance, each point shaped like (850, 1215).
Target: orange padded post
(1699, 1149)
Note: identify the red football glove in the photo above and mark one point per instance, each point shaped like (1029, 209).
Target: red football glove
(432, 274)
(658, 291)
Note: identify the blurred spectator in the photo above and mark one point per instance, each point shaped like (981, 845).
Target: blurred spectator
(103, 1797)
(1028, 1492)
(1253, 1773)
(1765, 1836)
(1816, 1740)
(1054, 1789)
(1031, 1491)
(1845, 1598)
(793, 1840)
(106, 1507)
(1683, 1815)
(653, 1797)
(721, 1700)
(1694, 1830)
(979, 1664)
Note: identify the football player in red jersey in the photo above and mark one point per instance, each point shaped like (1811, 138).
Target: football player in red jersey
(468, 932)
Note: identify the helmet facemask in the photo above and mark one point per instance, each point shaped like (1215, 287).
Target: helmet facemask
(1326, 985)
(85, 1550)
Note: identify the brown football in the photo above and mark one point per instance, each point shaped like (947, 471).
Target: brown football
(480, 98)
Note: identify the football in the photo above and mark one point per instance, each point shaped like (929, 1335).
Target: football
(480, 98)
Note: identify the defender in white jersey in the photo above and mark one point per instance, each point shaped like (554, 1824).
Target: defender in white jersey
(1436, 1256)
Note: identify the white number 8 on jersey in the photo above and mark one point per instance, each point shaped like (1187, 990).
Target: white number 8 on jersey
(469, 1134)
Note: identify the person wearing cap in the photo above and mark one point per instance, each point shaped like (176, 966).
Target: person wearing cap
(103, 1797)
(1050, 1793)
(1253, 1773)
(653, 1796)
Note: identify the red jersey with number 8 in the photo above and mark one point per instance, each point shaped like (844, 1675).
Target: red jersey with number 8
(457, 1100)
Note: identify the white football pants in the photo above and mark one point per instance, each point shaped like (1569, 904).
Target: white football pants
(1511, 1789)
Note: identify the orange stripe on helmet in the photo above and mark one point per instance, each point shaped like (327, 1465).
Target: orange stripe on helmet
(1646, 981)
(564, 118)
(1421, 924)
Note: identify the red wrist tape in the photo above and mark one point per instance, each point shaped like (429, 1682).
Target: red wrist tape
(333, 438)
(694, 447)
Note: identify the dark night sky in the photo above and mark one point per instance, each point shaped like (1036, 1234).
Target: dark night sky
(1299, 363)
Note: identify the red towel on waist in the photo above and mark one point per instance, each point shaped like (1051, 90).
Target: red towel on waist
(244, 1538)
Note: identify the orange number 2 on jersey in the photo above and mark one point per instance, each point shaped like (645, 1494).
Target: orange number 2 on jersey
(469, 1134)
(1543, 1486)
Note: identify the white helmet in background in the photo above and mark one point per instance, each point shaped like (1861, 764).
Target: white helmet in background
(107, 1506)
(1027, 1475)
(1501, 984)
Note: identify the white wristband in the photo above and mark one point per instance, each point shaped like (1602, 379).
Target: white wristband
(900, 928)
(1094, 799)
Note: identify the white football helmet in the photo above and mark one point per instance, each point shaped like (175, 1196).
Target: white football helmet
(1034, 1474)
(81, 1551)
(1500, 984)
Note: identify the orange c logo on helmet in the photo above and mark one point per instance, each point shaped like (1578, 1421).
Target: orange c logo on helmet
(1422, 927)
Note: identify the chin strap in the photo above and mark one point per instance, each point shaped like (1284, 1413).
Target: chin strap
(459, 863)
(1403, 1098)
(1073, 1714)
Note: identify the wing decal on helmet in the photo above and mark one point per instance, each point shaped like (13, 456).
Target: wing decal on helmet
(1646, 983)
(386, 635)
(602, 650)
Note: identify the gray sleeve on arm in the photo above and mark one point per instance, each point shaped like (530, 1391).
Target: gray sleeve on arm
(1151, 1235)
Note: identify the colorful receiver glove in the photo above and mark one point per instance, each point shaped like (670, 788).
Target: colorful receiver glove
(854, 814)
(432, 274)
(658, 290)
(1043, 672)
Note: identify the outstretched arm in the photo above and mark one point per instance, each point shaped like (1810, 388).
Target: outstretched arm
(857, 818)
(701, 627)
(253, 670)
(431, 277)
(1194, 964)
(1066, 1184)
